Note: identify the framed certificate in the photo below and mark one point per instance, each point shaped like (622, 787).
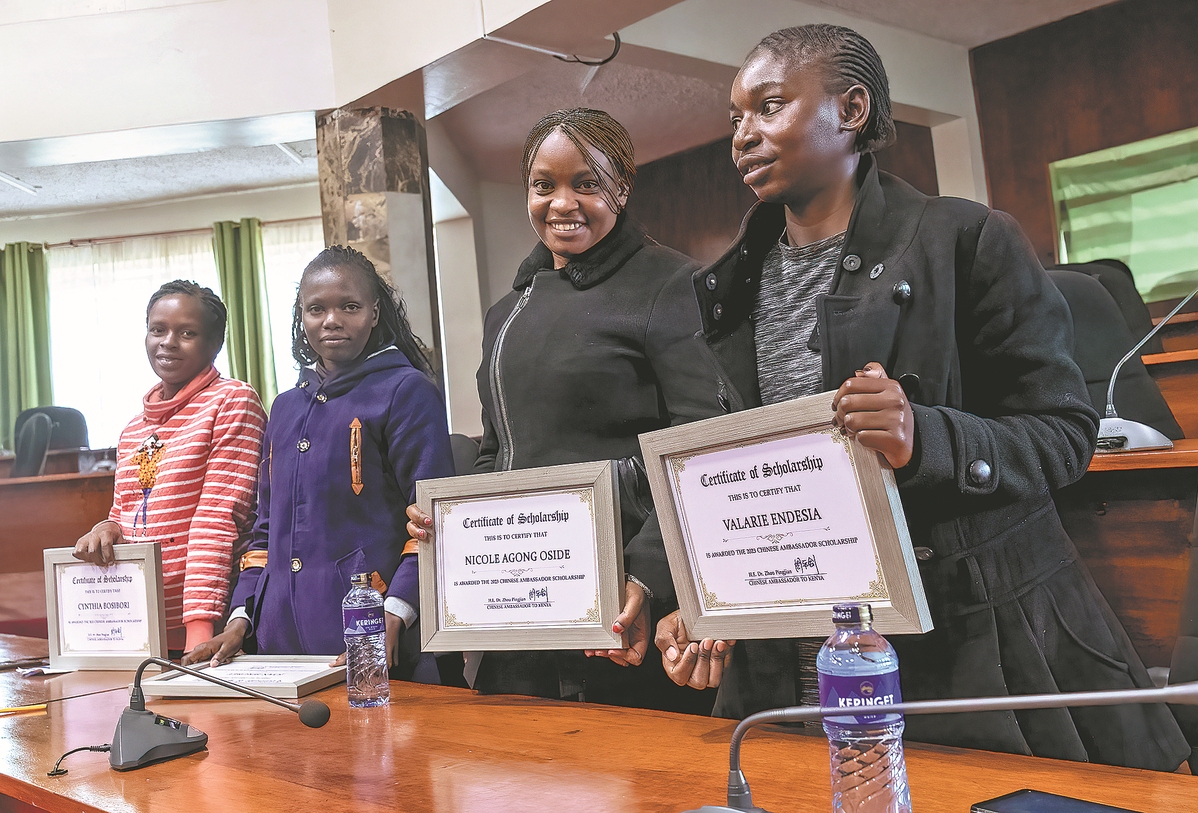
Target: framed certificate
(105, 617)
(772, 515)
(529, 559)
(287, 677)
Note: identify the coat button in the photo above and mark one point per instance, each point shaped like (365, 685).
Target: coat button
(851, 262)
(876, 271)
(910, 384)
(303, 385)
(303, 445)
(321, 397)
(744, 251)
(717, 311)
(923, 554)
(979, 472)
(296, 565)
(711, 282)
(902, 291)
(723, 401)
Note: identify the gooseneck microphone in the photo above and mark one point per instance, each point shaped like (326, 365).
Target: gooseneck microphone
(741, 798)
(143, 737)
(1117, 434)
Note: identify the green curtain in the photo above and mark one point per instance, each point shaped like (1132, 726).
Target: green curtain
(25, 333)
(1136, 203)
(238, 249)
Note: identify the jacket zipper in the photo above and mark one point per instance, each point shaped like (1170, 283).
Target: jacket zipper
(506, 446)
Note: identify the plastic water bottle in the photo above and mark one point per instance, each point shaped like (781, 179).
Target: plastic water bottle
(859, 669)
(365, 645)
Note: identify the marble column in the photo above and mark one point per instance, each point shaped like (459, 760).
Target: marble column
(374, 196)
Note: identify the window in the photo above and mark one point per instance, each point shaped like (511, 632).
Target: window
(1137, 203)
(286, 249)
(98, 295)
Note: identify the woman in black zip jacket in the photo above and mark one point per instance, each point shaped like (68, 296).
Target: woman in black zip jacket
(593, 346)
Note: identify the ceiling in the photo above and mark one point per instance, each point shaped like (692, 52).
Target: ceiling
(965, 22)
(487, 95)
(95, 185)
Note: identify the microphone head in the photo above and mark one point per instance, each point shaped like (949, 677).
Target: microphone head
(313, 713)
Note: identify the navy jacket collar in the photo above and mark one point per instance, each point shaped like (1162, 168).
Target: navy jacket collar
(388, 358)
(595, 264)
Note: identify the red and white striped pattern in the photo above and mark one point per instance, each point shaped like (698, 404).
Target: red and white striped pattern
(203, 498)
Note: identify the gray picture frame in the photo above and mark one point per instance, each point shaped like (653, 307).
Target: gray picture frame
(905, 608)
(147, 553)
(599, 479)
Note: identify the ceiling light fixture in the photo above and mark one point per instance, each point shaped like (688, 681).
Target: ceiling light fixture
(18, 183)
(290, 153)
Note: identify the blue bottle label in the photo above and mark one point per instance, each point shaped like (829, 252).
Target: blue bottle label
(364, 621)
(860, 692)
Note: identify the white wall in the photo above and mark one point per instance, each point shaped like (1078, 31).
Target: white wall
(509, 235)
(181, 215)
(461, 323)
(929, 78)
(80, 66)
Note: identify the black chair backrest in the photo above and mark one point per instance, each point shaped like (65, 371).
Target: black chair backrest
(33, 441)
(465, 453)
(1100, 339)
(70, 428)
(1116, 277)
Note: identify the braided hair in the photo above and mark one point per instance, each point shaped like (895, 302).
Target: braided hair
(393, 327)
(847, 59)
(216, 316)
(588, 128)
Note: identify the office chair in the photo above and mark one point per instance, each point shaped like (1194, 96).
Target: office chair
(465, 453)
(70, 427)
(1101, 337)
(1117, 278)
(33, 442)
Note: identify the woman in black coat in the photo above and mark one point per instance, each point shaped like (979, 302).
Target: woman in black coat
(950, 349)
(594, 345)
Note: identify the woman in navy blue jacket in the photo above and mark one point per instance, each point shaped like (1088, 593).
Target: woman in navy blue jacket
(343, 452)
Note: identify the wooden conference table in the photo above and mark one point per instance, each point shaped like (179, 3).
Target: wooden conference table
(442, 749)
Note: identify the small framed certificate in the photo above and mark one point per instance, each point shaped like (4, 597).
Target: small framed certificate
(529, 559)
(287, 677)
(772, 515)
(105, 617)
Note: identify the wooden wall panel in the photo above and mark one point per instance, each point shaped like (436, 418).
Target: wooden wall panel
(1110, 76)
(694, 201)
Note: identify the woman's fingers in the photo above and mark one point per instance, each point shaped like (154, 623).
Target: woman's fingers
(340, 661)
(419, 523)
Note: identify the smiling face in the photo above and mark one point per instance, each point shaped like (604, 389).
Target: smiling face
(566, 203)
(792, 140)
(179, 341)
(339, 311)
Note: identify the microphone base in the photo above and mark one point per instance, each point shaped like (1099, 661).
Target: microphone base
(143, 737)
(1121, 435)
(726, 809)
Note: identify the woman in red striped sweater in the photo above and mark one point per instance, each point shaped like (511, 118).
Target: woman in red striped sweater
(187, 465)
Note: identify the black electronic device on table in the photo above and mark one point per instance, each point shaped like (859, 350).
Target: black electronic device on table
(1036, 801)
(143, 737)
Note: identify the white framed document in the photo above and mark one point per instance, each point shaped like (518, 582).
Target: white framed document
(770, 516)
(287, 677)
(105, 617)
(530, 559)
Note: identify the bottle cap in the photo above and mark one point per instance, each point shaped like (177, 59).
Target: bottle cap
(360, 580)
(852, 614)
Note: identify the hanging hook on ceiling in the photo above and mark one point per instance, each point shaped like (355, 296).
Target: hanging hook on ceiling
(575, 58)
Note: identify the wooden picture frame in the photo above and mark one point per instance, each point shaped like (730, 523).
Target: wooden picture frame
(476, 600)
(77, 634)
(287, 677)
(773, 502)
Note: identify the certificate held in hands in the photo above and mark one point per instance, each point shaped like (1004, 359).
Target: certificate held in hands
(772, 515)
(528, 559)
